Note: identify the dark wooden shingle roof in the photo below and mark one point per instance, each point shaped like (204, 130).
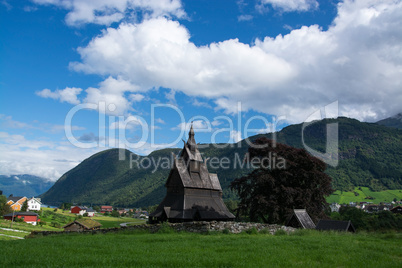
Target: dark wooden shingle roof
(300, 219)
(86, 223)
(335, 225)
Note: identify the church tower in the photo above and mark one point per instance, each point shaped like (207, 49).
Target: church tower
(193, 194)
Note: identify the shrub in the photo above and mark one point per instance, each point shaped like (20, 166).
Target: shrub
(226, 231)
(165, 228)
(252, 231)
(55, 224)
(265, 231)
(281, 232)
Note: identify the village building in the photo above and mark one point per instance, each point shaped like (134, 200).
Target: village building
(371, 208)
(81, 210)
(327, 225)
(300, 219)
(34, 204)
(80, 225)
(16, 202)
(334, 207)
(28, 217)
(397, 209)
(193, 194)
(105, 209)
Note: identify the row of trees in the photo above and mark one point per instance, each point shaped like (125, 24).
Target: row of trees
(383, 220)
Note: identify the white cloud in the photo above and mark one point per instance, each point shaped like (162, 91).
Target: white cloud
(68, 94)
(19, 155)
(8, 122)
(136, 97)
(111, 92)
(198, 103)
(357, 61)
(267, 129)
(197, 125)
(160, 121)
(130, 122)
(235, 136)
(216, 123)
(290, 5)
(105, 12)
(244, 18)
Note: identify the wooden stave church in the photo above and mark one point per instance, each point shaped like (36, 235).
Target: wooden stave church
(193, 194)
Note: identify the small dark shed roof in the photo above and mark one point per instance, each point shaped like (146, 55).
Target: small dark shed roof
(335, 225)
(300, 219)
(86, 223)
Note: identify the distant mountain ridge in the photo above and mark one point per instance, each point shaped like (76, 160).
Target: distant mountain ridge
(24, 185)
(393, 121)
(369, 156)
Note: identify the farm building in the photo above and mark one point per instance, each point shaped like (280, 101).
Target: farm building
(300, 219)
(397, 209)
(326, 225)
(193, 194)
(80, 210)
(105, 209)
(28, 217)
(82, 225)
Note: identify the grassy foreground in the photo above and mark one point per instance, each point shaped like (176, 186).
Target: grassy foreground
(136, 249)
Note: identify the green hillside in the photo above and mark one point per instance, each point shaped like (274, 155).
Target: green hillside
(364, 194)
(370, 156)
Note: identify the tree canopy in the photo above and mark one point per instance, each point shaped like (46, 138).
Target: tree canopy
(4, 208)
(284, 178)
(24, 206)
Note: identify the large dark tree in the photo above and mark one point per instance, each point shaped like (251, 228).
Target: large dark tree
(285, 178)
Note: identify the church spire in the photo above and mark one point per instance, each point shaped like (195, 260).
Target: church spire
(191, 141)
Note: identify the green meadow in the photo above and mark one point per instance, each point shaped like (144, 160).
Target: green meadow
(170, 249)
(363, 194)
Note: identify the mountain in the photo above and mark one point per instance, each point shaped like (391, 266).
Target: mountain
(370, 155)
(24, 185)
(393, 121)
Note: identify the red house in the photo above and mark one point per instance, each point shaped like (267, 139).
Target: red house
(78, 209)
(28, 217)
(106, 209)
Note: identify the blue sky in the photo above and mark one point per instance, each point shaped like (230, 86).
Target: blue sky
(145, 69)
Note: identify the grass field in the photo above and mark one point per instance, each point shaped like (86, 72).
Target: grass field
(109, 222)
(347, 197)
(134, 249)
(61, 218)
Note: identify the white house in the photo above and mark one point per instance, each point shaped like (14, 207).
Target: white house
(334, 207)
(34, 204)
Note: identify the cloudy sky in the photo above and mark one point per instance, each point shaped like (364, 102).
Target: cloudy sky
(81, 76)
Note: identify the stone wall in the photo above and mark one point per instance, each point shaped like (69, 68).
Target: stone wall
(194, 227)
